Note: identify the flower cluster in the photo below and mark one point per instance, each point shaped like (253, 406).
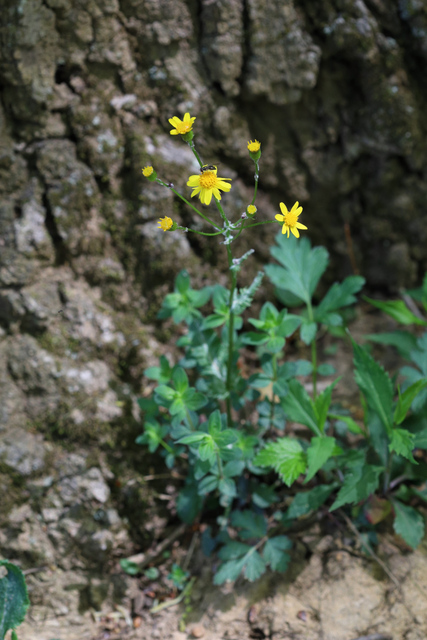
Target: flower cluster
(208, 184)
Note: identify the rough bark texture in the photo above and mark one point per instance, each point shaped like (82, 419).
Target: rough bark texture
(334, 90)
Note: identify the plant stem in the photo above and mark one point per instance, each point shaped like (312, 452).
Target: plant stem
(193, 149)
(202, 215)
(313, 352)
(272, 403)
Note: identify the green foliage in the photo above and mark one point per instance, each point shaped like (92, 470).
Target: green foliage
(225, 431)
(14, 600)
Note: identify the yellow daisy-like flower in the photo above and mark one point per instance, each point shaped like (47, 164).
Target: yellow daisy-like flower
(181, 126)
(254, 146)
(290, 219)
(165, 223)
(147, 171)
(251, 209)
(207, 184)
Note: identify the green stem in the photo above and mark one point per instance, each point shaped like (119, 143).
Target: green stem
(193, 149)
(202, 215)
(313, 352)
(166, 446)
(201, 233)
(233, 277)
(272, 403)
(256, 224)
(256, 181)
(387, 472)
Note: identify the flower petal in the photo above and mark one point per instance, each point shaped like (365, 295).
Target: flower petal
(193, 181)
(295, 232)
(283, 208)
(300, 226)
(174, 132)
(279, 217)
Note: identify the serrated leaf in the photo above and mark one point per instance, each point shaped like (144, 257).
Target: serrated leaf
(14, 600)
(398, 310)
(253, 525)
(229, 571)
(375, 384)
(408, 523)
(319, 451)
(274, 552)
(359, 483)
(402, 443)
(286, 456)
(298, 406)
(254, 566)
(406, 398)
(308, 501)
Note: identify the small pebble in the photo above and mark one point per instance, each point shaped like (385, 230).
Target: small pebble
(198, 631)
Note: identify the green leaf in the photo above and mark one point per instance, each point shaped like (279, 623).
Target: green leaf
(326, 369)
(227, 487)
(408, 523)
(14, 600)
(243, 298)
(193, 438)
(207, 484)
(352, 426)
(398, 310)
(286, 456)
(339, 295)
(308, 501)
(182, 281)
(254, 566)
(402, 442)
(308, 331)
(375, 384)
(180, 379)
(189, 503)
(165, 393)
(162, 373)
(359, 483)
(229, 571)
(319, 451)
(303, 266)
(298, 406)
(404, 341)
(406, 398)
(129, 567)
(239, 557)
(274, 552)
(322, 404)
(420, 439)
(207, 450)
(253, 525)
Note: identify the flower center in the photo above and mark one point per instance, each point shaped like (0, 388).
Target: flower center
(208, 179)
(183, 127)
(291, 219)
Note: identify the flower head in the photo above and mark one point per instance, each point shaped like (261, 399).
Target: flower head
(290, 219)
(254, 146)
(181, 126)
(149, 173)
(207, 184)
(165, 223)
(251, 209)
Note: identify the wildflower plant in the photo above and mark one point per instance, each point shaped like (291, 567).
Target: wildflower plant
(247, 481)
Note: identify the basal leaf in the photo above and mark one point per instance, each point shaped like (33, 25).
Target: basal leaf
(403, 341)
(322, 404)
(319, 451)
(358, 485)
(254, 566)
(339, 295)
(408, 523)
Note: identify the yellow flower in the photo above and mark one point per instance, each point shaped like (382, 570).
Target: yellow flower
(251, 209)
(254, 146)
(290, 219)
(165, 223)
(181, 126)
(207, 184)
(147, 171)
